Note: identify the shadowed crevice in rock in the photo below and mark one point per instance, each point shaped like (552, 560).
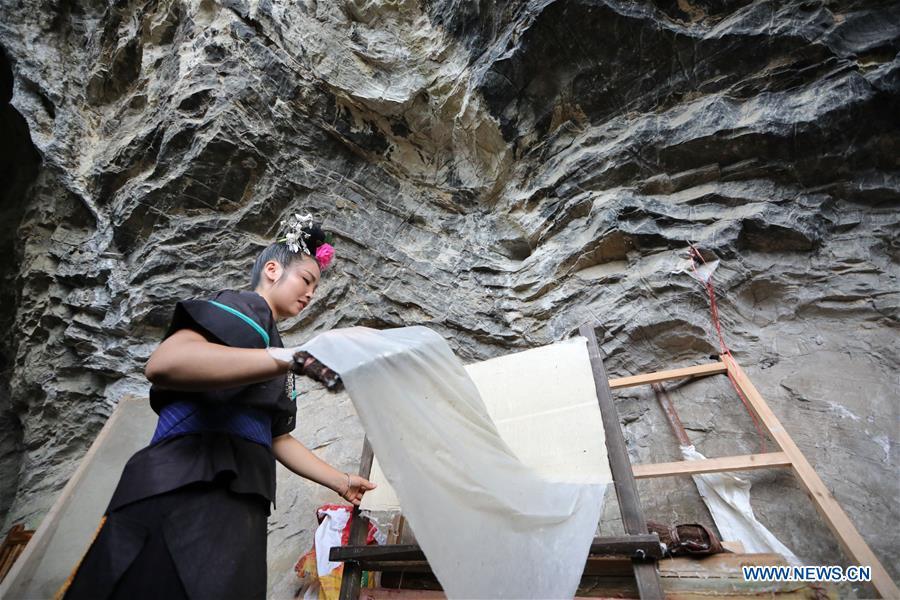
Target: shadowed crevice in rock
(19, 164)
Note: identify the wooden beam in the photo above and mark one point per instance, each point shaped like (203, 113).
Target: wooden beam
(375, 554)
(746, 462)
(838, 521)
(637, 545)
(668, 407)
(648, 378)
(645, 573)
(359, 528)
(628, 546)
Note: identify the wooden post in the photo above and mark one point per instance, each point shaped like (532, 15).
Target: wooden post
(665, 402)
(350, 580)
(838, 521)
(645, 573)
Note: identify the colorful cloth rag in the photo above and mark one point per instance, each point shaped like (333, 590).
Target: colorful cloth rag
(320, 578)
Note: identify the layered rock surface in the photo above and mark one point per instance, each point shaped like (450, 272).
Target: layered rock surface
(500, 171)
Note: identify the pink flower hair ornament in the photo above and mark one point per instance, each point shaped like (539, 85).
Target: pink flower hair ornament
(324, 255)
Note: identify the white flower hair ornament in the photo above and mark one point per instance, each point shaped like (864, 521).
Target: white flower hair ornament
(296, 237)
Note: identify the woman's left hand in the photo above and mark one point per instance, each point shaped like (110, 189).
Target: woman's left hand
(354, 487)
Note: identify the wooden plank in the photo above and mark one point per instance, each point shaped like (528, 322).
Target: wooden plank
(4, 558)
(838, 521)
(350, 580)
(745, 462)
(9, 558)
(387, 594)
(626, 490)
(642, 546)
(713, 576)
(44, 532)
(399, 576)
(12, 547)
(726, 589)
(676, 589)
(648, 378)
(601, 573)
(605, 566)
(20, 537)
(717, 565)
(738, 589)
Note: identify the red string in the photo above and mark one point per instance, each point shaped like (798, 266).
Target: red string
(723, 347)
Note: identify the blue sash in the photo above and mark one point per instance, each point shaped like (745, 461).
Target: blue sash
(184, 417)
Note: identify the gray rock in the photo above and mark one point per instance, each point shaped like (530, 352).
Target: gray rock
(501, 172)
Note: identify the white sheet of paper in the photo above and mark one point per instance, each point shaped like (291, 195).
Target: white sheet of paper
(544, 405)
(727, 497)
(490, 525)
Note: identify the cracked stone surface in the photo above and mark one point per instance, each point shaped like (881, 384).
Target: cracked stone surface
(499, 171)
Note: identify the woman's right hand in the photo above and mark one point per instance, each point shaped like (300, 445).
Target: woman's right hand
(307, 364)
(303, 363)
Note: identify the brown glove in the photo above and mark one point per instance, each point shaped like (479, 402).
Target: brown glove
(306, 364)
(684, 539)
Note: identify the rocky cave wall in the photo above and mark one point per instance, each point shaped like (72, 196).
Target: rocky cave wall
(500, 171)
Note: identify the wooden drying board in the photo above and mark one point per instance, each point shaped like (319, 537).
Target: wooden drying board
(788, 456)
(694, 578)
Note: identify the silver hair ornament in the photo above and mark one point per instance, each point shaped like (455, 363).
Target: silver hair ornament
(296, 237)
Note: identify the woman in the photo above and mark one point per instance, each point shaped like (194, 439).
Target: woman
(188, 517)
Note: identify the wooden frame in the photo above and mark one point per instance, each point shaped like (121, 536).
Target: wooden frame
(789, 455)
(23, 570)
(12, 547)
(640, 547)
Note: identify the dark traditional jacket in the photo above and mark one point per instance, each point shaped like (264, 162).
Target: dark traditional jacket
(241, 320)
(200, 540)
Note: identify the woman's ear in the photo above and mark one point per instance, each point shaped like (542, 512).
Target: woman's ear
(273, 271)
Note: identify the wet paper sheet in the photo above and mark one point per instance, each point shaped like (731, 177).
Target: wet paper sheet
(491, 525)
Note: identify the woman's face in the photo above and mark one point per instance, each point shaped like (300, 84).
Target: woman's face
(294, 286)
